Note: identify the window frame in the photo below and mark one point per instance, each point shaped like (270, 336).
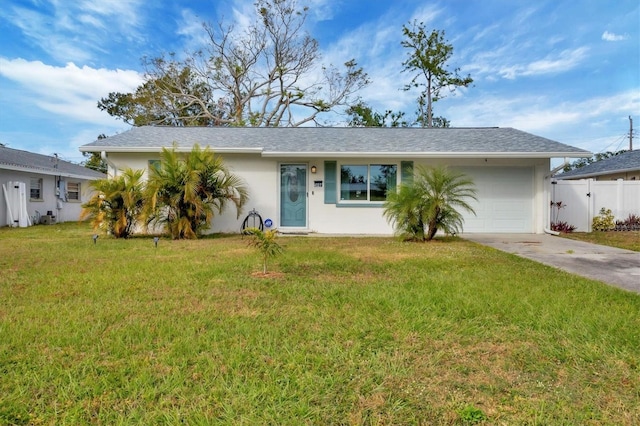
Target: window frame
(78, 192)
(365, 201)
(40, 186)
(153, 165)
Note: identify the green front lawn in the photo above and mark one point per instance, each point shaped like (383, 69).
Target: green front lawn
(629, 240)
(343, 331)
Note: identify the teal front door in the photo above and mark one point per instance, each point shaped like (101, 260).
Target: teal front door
(293, 195)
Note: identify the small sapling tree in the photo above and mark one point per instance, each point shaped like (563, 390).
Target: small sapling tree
(265, 242)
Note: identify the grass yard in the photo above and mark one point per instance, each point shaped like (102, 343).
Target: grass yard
(350, 331)
(629, 240)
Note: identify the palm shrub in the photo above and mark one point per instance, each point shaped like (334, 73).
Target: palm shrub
(265, 242)
(431, 202)
(116, 203)
(185, 191)
(404, 207)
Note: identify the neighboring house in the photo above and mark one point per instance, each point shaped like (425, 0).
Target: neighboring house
(52, 185)
(622, 166)
(332, 180)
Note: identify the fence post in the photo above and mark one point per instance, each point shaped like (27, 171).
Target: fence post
(619, 199)
(591, 205)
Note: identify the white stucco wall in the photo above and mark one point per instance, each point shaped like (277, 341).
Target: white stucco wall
(263, 180)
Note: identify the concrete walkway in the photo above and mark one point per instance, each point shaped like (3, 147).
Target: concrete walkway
(617, 267)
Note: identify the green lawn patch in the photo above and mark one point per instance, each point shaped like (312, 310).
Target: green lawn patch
(341, 331)
(629, 240)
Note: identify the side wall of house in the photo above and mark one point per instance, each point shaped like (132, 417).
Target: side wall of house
(512, 194)
(63, 211)
(634, 175)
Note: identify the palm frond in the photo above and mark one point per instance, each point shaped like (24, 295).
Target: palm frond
(433, 199)
(190, 189)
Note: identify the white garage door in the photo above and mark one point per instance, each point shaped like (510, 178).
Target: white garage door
(505, 200)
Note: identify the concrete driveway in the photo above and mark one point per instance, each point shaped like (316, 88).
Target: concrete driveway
(617, 267)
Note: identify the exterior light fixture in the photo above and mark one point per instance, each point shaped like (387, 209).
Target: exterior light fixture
(314, 169)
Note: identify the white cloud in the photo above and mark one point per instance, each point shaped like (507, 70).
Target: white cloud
(534, 113)
(547, 116)
(68, 91)
(426, 14)
(607, 36)
(561, 62)
(323, 10)
(190, 26)
(77, 30)
(83, 136)
(376, 48)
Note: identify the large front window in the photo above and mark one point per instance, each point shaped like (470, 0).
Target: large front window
(367, 182)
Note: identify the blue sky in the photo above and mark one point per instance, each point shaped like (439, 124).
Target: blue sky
(565, 70)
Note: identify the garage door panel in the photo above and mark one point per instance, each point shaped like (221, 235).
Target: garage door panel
(474, 223)
(506, 206)
(505, 200)
(510, 225)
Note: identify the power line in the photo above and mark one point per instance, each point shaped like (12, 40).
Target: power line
(617, 141)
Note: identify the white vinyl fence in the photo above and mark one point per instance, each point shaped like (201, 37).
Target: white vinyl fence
(584, 198)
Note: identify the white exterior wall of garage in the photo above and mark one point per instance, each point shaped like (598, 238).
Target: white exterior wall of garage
(512, 193)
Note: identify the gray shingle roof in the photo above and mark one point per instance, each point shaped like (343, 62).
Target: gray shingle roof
(626, 162)
(340, 141)
(15, 159)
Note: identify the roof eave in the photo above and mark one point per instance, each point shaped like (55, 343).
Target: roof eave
(156, 149)
(422, 154)
(46, 172)
(596, 174)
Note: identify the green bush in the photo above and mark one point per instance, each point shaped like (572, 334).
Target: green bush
(472, 415)
(604, 221)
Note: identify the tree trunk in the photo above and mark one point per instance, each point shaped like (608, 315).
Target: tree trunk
(433, 225)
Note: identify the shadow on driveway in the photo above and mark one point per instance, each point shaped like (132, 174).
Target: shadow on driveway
(614, 266)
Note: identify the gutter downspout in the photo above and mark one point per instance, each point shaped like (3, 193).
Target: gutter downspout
(103, 156)
(547, 229)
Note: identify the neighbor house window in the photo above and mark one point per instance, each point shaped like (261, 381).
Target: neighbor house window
(73, 191)
(154, 165)
(367, 182)
(35, 189)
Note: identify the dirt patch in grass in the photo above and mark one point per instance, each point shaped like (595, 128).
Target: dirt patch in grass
(269, 274)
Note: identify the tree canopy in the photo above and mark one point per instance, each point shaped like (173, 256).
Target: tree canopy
(172, 95)
(267, 74)
(427, 59)
(94, 160)
(586, 161)
(363, 115)
(428, 54)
